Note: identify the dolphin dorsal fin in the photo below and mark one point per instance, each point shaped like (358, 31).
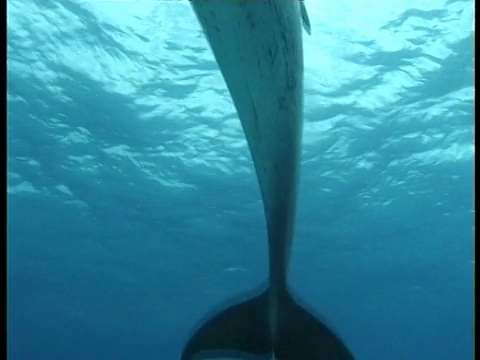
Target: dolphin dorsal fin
(305, 19)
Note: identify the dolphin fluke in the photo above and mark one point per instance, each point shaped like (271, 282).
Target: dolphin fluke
(247, 331)
(240, 330)
(301, 336)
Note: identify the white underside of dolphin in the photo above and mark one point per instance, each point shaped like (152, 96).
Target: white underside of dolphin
(258, 47)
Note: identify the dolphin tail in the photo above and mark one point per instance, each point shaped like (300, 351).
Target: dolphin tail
(244, 330)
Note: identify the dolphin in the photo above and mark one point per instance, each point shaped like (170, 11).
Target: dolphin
(258, 47)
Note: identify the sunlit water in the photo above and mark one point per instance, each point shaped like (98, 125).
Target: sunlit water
(133, 209)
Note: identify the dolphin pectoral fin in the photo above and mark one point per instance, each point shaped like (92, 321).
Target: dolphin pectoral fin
(305, 19)
(301, 336)
(239, 331)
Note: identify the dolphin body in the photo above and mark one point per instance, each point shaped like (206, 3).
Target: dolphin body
(258, 47)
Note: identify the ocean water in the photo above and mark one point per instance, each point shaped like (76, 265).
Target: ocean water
(133, 209)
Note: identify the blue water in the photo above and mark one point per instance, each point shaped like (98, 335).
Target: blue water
(133, 209)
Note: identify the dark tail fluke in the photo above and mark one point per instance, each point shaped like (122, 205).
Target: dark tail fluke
(243, 331)
(302, 336)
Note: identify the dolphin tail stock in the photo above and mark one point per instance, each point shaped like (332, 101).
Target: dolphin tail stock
(244, 330)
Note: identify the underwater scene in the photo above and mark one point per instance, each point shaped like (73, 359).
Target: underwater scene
(134, 209)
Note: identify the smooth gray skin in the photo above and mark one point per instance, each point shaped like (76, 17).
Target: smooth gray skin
(265, 81)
